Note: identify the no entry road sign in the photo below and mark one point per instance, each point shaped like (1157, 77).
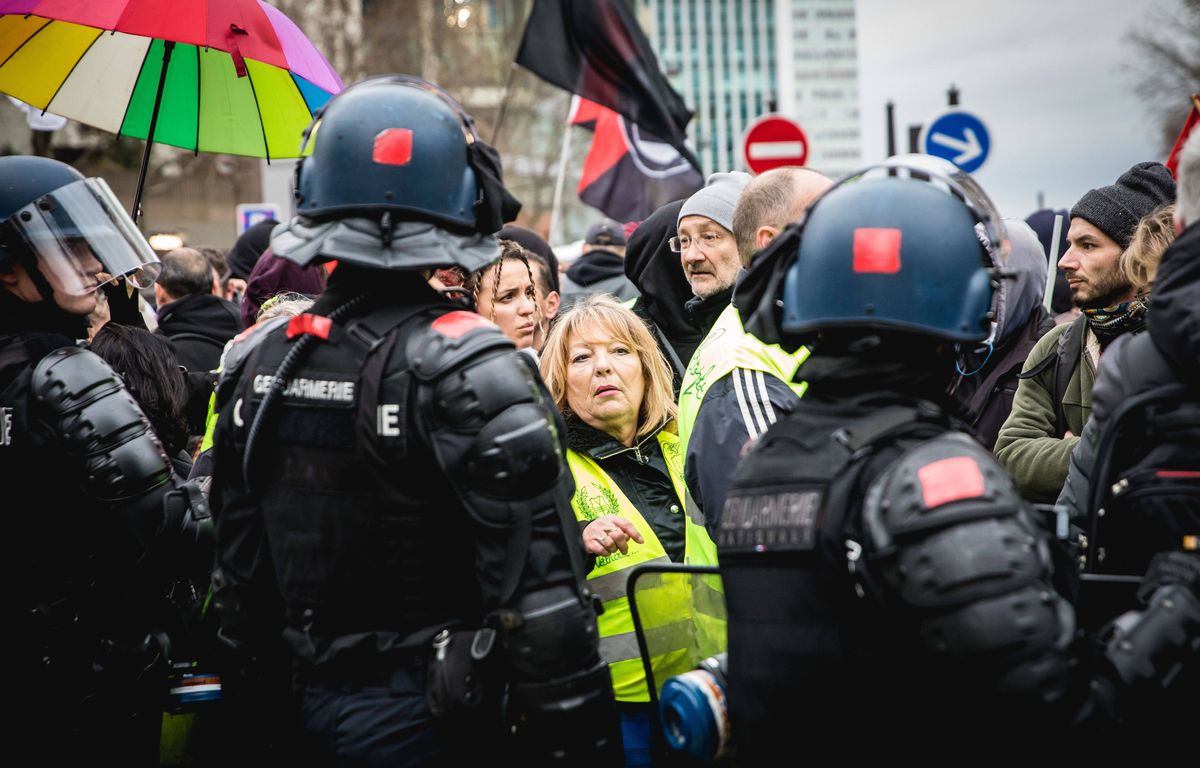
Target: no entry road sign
(773, 141)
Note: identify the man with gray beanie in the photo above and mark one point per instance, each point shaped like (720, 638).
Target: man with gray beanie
(705, 241)
(1054, 398)
(735, 386)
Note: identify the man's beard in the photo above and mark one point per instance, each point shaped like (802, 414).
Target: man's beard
(1107, 292)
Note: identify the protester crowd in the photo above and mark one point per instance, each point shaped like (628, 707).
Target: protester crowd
(368, 489)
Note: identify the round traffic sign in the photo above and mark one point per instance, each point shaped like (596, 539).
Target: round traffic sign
(774, 141)
(958, 136)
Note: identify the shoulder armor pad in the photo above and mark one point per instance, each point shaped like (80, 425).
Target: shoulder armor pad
(451, 340)
(947, 530)
(99, 423)
(71, 376)
(948, 480)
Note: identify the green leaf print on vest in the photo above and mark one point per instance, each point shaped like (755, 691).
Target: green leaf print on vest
(603, 502)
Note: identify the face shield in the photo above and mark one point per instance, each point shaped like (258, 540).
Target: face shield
(82, 238)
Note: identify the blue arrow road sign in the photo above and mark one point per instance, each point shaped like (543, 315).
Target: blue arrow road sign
(959, 137)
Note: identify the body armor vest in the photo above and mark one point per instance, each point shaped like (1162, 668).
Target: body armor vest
(364, 530)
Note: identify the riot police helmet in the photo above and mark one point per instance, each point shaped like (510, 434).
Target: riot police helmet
(69, 232)
(387, 152)
(903, 248)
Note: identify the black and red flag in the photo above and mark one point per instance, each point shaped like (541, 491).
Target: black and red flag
(629, 174)
(595, 49)
(1188, 126)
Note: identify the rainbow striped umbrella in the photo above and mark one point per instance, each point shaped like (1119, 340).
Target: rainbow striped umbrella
(230, 76)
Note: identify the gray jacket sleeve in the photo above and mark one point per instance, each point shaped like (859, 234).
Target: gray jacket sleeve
(1129, 367)
(1075, 492)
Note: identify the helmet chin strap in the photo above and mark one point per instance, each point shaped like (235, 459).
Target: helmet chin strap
(39, 280)
(958, 360)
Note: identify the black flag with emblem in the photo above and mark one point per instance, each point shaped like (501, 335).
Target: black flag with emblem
(595, 48)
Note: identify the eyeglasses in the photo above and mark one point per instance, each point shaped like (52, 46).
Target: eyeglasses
(706, 241)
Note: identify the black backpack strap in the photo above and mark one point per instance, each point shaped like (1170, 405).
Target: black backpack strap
(377, 330)
(1070, 350)
(1064, 359)
(190, 336)
(877, 426)
(917, 422)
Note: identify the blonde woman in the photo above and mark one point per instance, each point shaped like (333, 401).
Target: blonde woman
(1154, 233)
(613, 386)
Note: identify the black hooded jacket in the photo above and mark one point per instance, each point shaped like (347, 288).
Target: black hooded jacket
(1168, 354)
(597, 271)
(198, 327)
(654, 268)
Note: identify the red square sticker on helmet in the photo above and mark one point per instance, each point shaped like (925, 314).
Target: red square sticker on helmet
(877, 250)
(947, 480)
(393, 146)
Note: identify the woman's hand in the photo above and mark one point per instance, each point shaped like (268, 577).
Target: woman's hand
(605, 535)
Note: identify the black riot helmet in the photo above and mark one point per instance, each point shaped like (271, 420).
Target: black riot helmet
(899, 248)
(70, 233)
(402, 145)
(396, 177)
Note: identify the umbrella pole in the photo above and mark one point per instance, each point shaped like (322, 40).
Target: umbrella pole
(168, 46)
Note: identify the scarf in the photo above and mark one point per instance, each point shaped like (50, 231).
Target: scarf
(1110, 322)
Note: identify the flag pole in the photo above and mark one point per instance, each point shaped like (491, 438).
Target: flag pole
(556, 209)
(1052, 267)
(512, 71)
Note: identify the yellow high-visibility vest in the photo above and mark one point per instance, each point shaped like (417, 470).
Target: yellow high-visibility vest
(728, 346)
(681, 616)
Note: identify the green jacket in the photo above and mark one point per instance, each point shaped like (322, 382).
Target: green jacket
(1030, 446)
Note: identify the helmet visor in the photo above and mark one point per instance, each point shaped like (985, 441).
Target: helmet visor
(82, 239)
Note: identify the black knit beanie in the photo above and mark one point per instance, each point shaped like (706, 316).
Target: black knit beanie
(1116, 210)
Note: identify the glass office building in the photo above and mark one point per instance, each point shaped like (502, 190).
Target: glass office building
(735, 60)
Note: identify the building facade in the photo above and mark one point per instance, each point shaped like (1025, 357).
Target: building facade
(736, 60)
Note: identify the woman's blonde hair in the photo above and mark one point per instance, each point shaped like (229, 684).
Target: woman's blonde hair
(602, 314)
(1140, 260)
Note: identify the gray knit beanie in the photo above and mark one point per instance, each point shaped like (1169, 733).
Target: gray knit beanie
(1116, 210)
(717, 199)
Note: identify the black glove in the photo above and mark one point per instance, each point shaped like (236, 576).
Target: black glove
(1168, 568)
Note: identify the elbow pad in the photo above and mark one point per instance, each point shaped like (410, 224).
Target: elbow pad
(562, 702)
(1148, 649)
(100, 425)
(550, 634)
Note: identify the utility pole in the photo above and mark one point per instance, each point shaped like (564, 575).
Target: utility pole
(891, 128)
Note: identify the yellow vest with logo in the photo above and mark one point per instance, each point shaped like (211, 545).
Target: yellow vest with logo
(728, 346)
(682, 617)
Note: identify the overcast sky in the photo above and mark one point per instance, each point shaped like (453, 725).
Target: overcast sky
(1051, 80)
